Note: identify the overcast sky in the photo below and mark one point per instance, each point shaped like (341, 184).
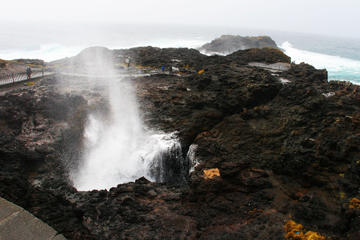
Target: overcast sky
(330, 17)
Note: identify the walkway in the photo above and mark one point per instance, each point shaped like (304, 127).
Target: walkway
(275, 66)
(18, 224)
(7, 79)
(104, 76)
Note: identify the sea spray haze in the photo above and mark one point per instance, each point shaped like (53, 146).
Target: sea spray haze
(117, 146)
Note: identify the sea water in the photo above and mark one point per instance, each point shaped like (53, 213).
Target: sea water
(339, 55)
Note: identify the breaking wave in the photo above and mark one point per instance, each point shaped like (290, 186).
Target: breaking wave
(339, 68)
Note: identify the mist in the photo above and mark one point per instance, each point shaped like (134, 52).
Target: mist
(321, 17)
(117, 146)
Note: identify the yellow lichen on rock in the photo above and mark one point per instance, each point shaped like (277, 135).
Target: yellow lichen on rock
(293, 226)
(30, 83)
(313, 236)
(201, 71)
(295, 235)
(342, 195)
(143, 67)
(295, 231)
(354, 203)
(211, 173)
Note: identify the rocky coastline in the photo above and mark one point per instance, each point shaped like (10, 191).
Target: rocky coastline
(282, 146)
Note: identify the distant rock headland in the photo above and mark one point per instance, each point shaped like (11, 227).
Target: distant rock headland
(227, 44)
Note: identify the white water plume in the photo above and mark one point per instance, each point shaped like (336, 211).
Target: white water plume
(117, 148)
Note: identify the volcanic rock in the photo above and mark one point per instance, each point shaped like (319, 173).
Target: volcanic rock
(227, 44)
(282, 151)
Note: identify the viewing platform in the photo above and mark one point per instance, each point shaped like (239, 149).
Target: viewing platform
(18, 224)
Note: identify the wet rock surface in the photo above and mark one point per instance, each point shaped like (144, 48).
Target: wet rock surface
(284, 151)
(37, 127)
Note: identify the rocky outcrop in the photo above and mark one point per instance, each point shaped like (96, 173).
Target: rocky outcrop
(280, 151)
(227, 44)
(157, 57)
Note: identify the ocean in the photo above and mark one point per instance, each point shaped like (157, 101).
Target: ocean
(339, 55)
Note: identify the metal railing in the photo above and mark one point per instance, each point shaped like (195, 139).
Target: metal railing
(11, 78)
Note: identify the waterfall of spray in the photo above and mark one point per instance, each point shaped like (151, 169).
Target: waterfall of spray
(118, 148)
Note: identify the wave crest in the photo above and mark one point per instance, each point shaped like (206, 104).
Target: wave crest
(339, 68)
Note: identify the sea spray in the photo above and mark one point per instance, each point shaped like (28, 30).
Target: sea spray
(118, 147)
(191, 157)
(339, 68)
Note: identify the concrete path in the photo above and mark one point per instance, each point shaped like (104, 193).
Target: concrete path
(18, 224)
(275, 66)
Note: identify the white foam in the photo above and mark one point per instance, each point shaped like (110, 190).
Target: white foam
(284, 80)
(336, 66)
(329, 94)
(210, 53)
(191, 157)
(120, 149)
(117, 153)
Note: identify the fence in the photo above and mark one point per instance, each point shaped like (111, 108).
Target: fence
(11, 78)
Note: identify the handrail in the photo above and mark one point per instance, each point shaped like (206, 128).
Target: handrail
(11, 78)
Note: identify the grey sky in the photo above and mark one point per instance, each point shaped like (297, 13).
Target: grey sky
(331, 17)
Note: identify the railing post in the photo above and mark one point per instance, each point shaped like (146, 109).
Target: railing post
(13, 78)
